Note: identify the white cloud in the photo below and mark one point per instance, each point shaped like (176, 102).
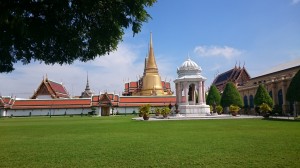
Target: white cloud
(214, 51)
(106, 73)
(295, 1)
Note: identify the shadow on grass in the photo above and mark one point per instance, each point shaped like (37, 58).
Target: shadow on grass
(281, 119)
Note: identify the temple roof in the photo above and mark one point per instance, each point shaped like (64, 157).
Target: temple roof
(87, 93)
(280, 67)
(151, 63)
(189, 70)
(51, 88)
(230, 75)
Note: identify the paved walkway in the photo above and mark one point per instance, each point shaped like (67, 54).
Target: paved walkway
(191, 117)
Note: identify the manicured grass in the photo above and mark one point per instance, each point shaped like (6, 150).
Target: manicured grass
(122, 142)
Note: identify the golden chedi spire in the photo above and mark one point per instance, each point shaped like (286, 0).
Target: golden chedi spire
(151, 80)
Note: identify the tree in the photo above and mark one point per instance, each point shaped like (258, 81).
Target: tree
(213, 96)
(293, 91)
(231, 96)
(262, 96)
(61, 31)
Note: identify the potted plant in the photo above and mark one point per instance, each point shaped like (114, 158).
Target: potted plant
(165, 112)
(265, 110)
(234, 109)
(219, 109)
(144, 111)
(157, 111)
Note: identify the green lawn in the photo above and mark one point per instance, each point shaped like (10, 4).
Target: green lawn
(122, 142)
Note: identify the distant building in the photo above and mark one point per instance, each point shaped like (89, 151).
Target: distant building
(150, 84)
(239, 76)
(276, 81)
(50, 90)
(51, 98)
(87, 93)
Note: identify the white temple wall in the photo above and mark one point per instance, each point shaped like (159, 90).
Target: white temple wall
(45, 112)
(126, 110)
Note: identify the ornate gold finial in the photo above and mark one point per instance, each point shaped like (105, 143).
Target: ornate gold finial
(151, 77)
(151, 63)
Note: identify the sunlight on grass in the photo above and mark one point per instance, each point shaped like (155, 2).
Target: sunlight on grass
(122, 142)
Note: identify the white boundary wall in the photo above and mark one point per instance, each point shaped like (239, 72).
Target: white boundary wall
(44, 112)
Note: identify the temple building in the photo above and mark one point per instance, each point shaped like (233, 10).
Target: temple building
(49, 89)
(87, 93)
(239, 76)
(52, 98)
(150, 84)
(276, 80)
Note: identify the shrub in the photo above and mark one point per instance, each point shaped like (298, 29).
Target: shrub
(213, 96)
(231, 96)
(265, 108)
(219, 109)
(262, 96)
(234, 109)
(293, 91)
(144, 110)
(165, 111)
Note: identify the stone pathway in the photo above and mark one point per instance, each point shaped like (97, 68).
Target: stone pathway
(191, 117)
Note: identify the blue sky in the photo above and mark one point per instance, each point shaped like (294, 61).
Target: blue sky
(216, 34)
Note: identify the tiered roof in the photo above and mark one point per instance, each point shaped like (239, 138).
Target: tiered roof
(237, 75)
(53, 89)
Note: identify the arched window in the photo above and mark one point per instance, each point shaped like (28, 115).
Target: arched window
(245, 101)
(251, 101)
(270, 93)
(280, 98)
(191, 92)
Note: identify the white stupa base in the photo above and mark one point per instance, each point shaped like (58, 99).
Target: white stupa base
(194, 110)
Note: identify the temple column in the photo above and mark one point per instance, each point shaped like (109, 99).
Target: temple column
(203, 92)
(284, 105)
(176, 91)
(99, 110)
(194, 94)
(186, 93)
(273, 92)
(179, 93)
(200, 97)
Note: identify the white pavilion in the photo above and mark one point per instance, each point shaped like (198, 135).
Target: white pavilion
(190, 93)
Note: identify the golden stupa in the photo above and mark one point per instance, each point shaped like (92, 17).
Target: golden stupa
(152, 84)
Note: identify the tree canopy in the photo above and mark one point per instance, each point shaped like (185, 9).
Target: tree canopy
(61, 31)
(231, 96)
(262, 96)
(293, 91)
(213, 96)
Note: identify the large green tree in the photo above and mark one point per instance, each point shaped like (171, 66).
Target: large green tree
(293, 91)
(61, 31)
(262, 96)
(231, 96)
(213, 96)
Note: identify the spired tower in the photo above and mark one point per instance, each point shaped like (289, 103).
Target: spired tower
(152, 84)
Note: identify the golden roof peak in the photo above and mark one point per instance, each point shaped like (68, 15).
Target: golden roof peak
(151, 63)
